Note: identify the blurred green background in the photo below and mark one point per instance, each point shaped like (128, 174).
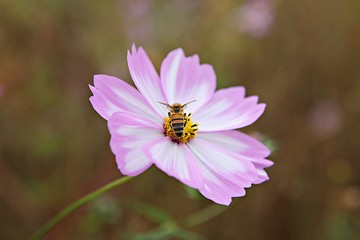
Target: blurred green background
(301, 57)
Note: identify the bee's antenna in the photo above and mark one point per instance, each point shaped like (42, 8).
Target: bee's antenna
(188, 103)
(164, 104)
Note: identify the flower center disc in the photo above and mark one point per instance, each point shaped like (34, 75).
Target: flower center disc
(188, 133)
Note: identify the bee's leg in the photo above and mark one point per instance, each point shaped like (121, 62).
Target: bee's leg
(194, 127)
(169, 114)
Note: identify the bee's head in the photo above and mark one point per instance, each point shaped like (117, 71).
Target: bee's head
(176, 108)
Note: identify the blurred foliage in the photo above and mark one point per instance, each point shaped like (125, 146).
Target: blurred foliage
(168, 228)
(165, 232)
(192, 193)
(154, 214)
(54, 146)
(102, 212)
(340, 227)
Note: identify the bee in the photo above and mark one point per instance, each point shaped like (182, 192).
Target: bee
(177, 117)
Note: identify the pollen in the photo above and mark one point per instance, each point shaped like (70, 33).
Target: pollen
(189, 131)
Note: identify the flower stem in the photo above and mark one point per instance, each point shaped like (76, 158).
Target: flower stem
(75, 205)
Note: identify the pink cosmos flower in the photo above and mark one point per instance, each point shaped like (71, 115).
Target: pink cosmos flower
(256, 17)
(209, 155)
(2, 90)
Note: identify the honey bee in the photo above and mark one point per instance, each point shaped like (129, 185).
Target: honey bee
(177, 117)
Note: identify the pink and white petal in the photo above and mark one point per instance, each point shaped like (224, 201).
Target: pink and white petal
(124, 96)
(248, 147)
(261, 162)
(184, 80)
(176, 160)
(226, 174)
(228, 109)
(146, 79)
(220, 190)
(101, 104)
(263, 176)
(238, 142)
(227, 164)
(129, 132)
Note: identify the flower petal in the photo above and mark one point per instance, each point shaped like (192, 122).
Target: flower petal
(238, 142)
(184, 79)
(146, 79)
(228, 109)
(263, 176)
(129, 132)
(124, 96)
(101, 104)
(226, 174)
(220, 190)
(248, 147)
(176, 160)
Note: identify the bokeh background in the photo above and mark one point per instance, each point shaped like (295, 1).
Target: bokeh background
(301, 57)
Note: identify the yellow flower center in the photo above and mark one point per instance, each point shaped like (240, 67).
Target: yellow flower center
(188, 133)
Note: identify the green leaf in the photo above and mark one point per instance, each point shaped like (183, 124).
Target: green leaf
(158, 234)
(187, 235)
(270, 143)
(153, 213)
(204, 215)
(165, 232)
(192, 193)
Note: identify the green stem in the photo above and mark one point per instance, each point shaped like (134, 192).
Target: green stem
(204, 215)
(75, 205)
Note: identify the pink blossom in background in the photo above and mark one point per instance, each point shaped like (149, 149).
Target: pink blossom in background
(138, 21)
(325, 119)
(255, 17)
(2, 90)
(217, 160)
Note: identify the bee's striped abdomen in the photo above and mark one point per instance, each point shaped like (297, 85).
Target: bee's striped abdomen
(177, 124)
